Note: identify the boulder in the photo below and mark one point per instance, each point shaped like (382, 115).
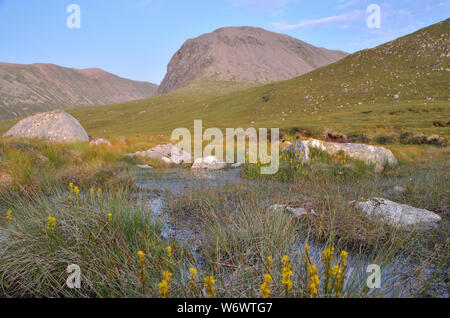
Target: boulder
(167, 153)
(396, 214)
(57, 126)
(100, 141)
(210, 163)
(378, 156)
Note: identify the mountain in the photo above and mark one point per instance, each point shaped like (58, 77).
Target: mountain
(398, 87)
(27, 89)
(243, 54)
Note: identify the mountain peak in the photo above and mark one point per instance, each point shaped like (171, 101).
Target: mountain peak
(244, 54)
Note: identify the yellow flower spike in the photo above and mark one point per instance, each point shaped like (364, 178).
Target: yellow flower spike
(92, 193)
(209, 285)
(77, 191)
(110, 217)
(163, 288)
(167, 275)
(169, 250)
(71, 187)
(99, 193)
(344, 255)
(51, 224)
(269, 261)
(265, 286)
(192, 285)
(286, 274)
(9, 215)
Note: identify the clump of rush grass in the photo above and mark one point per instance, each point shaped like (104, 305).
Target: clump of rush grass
(36, 166)
(46, 234)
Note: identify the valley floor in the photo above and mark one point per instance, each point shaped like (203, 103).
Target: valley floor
(166, 231)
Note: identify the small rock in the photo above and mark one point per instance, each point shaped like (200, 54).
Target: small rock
(237, 165)
(210, 163)
(100, 141)
(295, 211)
(396, 214)
(167, 153)
(144, 167)
(5, 179)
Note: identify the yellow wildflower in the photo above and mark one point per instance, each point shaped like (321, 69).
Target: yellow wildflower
(169, 251)
(99, 193)
(286, 274)
(9, 215)
(51, 224)
(110, 217)
(77, 191)
(314, 280)
(193, 285)
(209, 285)
(265, 286)
(164, 288)
(92, 193)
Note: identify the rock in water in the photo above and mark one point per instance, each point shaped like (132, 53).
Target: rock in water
(167, 153)
(378, 156)
(210, 163)
(396, 214)
(57, 126)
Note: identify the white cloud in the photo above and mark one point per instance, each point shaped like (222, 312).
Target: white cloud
(306, 23)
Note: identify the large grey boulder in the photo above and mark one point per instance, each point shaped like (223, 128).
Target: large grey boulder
(57, 126)
(378, 156)
(396, 214)
(167, 153)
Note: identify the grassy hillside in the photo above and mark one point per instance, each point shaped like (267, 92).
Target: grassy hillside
(395, 88)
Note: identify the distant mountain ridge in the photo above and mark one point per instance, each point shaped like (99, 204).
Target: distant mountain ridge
(32, 88)
(244, 54)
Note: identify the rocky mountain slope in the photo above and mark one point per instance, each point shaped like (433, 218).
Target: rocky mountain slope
(244, 54)
(27, 89)
(395, 88)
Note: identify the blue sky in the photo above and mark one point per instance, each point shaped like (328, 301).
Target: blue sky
(136, 38)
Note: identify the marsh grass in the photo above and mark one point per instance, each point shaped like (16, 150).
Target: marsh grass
(226, 231)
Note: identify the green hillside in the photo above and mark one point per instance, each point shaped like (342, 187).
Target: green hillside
(401, 86)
